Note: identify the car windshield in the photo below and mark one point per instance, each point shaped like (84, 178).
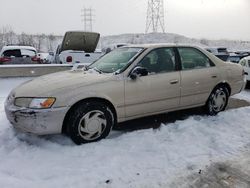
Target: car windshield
(115, 60)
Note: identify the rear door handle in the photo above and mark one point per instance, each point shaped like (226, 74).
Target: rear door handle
(174, 81)
(214, 76)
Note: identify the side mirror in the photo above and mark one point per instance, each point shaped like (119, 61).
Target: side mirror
(138, 71)
(51, 53)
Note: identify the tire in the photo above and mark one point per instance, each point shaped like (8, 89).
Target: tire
(89, 122)
(217, 101)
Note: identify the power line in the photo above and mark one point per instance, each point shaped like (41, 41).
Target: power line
(155, 16)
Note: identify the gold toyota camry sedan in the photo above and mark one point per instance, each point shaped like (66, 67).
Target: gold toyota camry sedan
(127, 83)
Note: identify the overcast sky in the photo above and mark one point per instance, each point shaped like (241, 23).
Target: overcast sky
(213, 19)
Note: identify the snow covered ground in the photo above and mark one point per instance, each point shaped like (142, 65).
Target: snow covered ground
(149, 158)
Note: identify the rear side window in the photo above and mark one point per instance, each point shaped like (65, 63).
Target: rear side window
(192, 58)
(28, 53)
(12, 53)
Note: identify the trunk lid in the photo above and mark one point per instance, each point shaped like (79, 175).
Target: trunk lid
(80, 41)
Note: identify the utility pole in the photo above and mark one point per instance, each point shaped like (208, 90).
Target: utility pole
(87, 18)
(155, 16)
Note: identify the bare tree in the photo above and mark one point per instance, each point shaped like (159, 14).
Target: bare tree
(7, 35)
(51, 38)
(204, 41)
(25, 39)
(39, 41)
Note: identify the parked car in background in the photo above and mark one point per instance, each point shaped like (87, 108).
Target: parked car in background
(127, 83)
(234, 58)
(111, 47)
(80, 50)
(56, 58)
(18, 55)
(245, 62)
(45, 58)
(219, 52)
(243, 53)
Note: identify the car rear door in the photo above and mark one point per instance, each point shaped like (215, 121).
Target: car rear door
(159, 90)
(199, 76)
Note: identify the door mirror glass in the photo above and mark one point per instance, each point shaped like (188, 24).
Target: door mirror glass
(138, 71)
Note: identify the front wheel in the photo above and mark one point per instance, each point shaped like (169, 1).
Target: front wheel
(217, 101)
(90, 122)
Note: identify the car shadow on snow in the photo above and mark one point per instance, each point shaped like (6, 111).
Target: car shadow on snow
(156, 120)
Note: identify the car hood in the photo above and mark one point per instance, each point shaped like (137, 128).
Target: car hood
(51, 84)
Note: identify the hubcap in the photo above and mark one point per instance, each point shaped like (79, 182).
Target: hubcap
(218, 100)
(92, 125)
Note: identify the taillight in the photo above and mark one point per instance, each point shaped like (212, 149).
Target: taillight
(35, 58)
(69, 59)
(4, 59)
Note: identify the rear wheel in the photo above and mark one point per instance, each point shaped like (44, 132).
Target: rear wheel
(217, 100)
(90, 122)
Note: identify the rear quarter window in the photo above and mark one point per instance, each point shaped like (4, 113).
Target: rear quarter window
(28, 53)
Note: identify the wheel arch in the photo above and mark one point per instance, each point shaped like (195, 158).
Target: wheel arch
(221, 84)
(226, 85)
(96, 99)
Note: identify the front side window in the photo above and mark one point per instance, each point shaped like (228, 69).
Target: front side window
(192, 58)
(159, 60)
(116, 60)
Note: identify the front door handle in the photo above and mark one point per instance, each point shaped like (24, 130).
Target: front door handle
(214, 76)
(174, 81)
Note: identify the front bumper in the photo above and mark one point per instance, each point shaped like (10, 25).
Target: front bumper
(36, 121)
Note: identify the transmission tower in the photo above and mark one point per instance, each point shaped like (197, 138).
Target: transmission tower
(87, 18)
(155, 16)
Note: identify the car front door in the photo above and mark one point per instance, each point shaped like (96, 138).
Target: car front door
(198, 76)
(158, 91)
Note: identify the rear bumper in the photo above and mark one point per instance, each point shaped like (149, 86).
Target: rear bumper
(237, 87)
(36, 121)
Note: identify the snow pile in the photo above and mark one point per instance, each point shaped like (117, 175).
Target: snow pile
(144, 158)
(140, 38)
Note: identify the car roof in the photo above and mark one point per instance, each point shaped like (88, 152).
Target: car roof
(247, 58)
(18, 47)
(159, 45)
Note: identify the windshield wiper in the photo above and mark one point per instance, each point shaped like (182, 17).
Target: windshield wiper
(97, 70)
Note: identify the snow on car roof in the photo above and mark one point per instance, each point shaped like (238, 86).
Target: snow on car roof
(18, 47)
(155, 45)
(247, 58)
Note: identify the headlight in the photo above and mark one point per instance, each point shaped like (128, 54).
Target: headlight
(39, 103)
